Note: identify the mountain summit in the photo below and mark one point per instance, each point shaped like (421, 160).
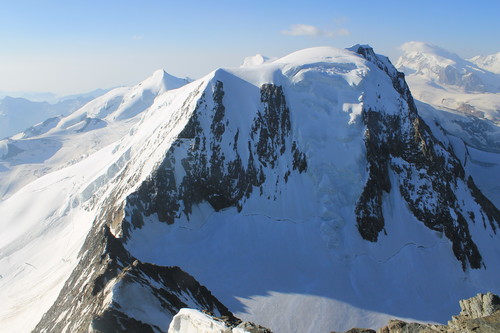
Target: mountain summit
(304, 194)
(446, 68)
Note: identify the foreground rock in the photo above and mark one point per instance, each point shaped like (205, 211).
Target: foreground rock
(194, 321)
(480, 314)
(110, 291)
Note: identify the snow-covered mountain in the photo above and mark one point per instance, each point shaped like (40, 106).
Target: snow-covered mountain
(469, 118)
(64, 140)
(306, 193)
(446, 68)
(17, 113)
(489, 62)
(445, 80)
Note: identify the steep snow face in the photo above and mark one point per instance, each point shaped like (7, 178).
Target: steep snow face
(445, 80)
(489, 62)
(308, 185)
(330, 184)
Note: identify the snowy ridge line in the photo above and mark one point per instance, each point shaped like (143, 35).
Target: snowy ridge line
(215, 163)
(66, 235)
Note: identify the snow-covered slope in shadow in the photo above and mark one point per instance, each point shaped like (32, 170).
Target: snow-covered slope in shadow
(306, 193)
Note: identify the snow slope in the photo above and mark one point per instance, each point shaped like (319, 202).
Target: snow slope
(249, 179)
(293, 246)
(17, 114)
(50, 176)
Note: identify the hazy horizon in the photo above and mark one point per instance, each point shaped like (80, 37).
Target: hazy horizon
(68, 48)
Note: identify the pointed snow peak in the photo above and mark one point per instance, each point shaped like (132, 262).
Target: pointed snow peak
(161, 81)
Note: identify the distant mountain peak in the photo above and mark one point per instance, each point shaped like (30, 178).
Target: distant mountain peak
(296, 184)
(445, 68)
(489, 62)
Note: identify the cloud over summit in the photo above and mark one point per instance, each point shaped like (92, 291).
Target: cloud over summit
(311, 30)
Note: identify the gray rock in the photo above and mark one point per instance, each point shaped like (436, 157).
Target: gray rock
(479, 306)
(480, 314)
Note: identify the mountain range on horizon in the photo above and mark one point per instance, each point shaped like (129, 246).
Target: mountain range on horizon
(307, 193)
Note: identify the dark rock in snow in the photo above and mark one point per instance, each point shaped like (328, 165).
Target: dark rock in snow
(401, 143)
(110, 291)
(211, 175)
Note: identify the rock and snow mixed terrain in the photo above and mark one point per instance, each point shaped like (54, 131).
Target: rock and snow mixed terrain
(306, 193)
(480, 314)
(465, 105)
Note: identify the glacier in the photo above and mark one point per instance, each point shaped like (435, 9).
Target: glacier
(248, 179)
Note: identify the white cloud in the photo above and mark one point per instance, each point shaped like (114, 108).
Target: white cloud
(137, 37)
(310, 30)
(302, 30)
(340, 20)
(337, 33)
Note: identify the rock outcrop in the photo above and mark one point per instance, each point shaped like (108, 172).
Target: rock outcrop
(480, 314)
(194, 321)
(430, 177)
(111, 291)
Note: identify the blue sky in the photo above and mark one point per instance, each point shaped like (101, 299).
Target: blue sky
(74, 46)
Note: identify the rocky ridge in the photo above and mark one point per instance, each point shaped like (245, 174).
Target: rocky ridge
(110, 291)
(480, 314)
(403, 144)
(216, 161)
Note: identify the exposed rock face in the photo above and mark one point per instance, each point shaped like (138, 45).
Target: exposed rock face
(110, 291)
(480, 314)
(479, 306)
(221, 162)
(429, 174)
(193, 321)
(213, 172)
(116, 292)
